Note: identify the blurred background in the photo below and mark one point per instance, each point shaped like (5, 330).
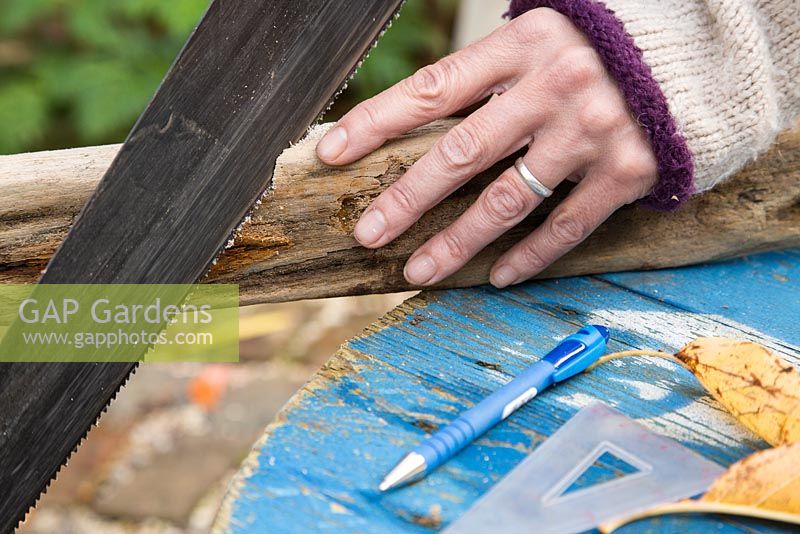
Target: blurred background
(79, 72)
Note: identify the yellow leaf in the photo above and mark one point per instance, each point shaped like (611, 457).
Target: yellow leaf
(757, 387)
(767, 479)
(765, 485)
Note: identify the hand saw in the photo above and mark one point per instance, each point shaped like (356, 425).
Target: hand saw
(254, 75)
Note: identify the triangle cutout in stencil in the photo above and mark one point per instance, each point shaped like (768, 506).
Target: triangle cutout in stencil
(534, 496)
(606, 467)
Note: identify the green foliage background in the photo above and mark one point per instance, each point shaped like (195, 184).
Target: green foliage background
(78, 72)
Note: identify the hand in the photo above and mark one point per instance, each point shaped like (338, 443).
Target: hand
(552, 94)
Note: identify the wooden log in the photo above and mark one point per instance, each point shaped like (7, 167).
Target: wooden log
(299, 242)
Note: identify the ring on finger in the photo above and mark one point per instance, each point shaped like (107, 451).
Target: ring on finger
(527, 176)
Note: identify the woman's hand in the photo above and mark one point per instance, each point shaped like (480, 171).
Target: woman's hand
(553, 95)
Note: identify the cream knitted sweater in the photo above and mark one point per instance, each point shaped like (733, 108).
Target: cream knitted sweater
(719, 77)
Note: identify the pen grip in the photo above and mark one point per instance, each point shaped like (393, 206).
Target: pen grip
(448, 441)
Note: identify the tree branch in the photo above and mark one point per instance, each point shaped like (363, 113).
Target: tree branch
(299, 242)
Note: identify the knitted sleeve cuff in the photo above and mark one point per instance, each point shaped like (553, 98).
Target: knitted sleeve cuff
(625, 63)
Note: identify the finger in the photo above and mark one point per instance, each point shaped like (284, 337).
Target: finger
(433, 92)
(472, 108)
(501, 206)
(586, 207)
(496, 130)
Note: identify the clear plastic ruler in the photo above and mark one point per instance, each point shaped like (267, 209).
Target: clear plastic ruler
(537, 495)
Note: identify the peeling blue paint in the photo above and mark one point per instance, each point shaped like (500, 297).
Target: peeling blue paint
(319, 470)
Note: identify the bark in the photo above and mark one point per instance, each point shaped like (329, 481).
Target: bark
(298, 243)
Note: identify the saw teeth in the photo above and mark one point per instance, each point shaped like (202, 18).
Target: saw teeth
(24, 516)
(231, 239)
(359, 63)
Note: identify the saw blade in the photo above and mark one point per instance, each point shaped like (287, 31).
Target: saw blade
(251, 79)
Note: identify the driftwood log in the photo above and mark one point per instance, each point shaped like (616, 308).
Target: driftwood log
(298, 243)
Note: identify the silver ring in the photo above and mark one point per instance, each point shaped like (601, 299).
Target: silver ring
(536, 186)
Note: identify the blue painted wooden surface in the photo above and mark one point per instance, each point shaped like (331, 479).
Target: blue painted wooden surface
(318, 465)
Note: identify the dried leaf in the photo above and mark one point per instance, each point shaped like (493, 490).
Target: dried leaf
(767, 479)
(765, 485)
(757, 387)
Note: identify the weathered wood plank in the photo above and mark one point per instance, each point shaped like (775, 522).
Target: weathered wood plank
(718, 291)
(299, 244)
(318, 465)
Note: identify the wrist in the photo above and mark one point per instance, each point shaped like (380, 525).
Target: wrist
(625, 62)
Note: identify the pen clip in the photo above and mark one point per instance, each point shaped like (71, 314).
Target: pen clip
(577, 352)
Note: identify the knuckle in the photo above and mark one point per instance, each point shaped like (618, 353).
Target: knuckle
(503, 204)
(535, 25)
(402, 198)
(575, 69)
(430, 86)
(568, 228)
(370, 114)
(461, 148)
(634, 163)
(531, 257)
(624, 189)
(600, 117)
(455, 246)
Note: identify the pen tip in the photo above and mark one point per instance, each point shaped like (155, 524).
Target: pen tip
(409, 468)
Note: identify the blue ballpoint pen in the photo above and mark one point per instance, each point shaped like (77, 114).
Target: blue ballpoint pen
(570, 357)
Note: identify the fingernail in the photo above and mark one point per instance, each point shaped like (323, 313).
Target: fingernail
(504, 276)
(420, 269)
(332, 144)
(371, 227)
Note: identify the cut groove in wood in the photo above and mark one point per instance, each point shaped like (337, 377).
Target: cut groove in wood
(299, 241)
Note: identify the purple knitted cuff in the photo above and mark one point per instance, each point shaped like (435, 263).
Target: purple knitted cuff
(625, 63)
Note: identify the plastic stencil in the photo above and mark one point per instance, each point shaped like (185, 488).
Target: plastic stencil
(541, 493)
